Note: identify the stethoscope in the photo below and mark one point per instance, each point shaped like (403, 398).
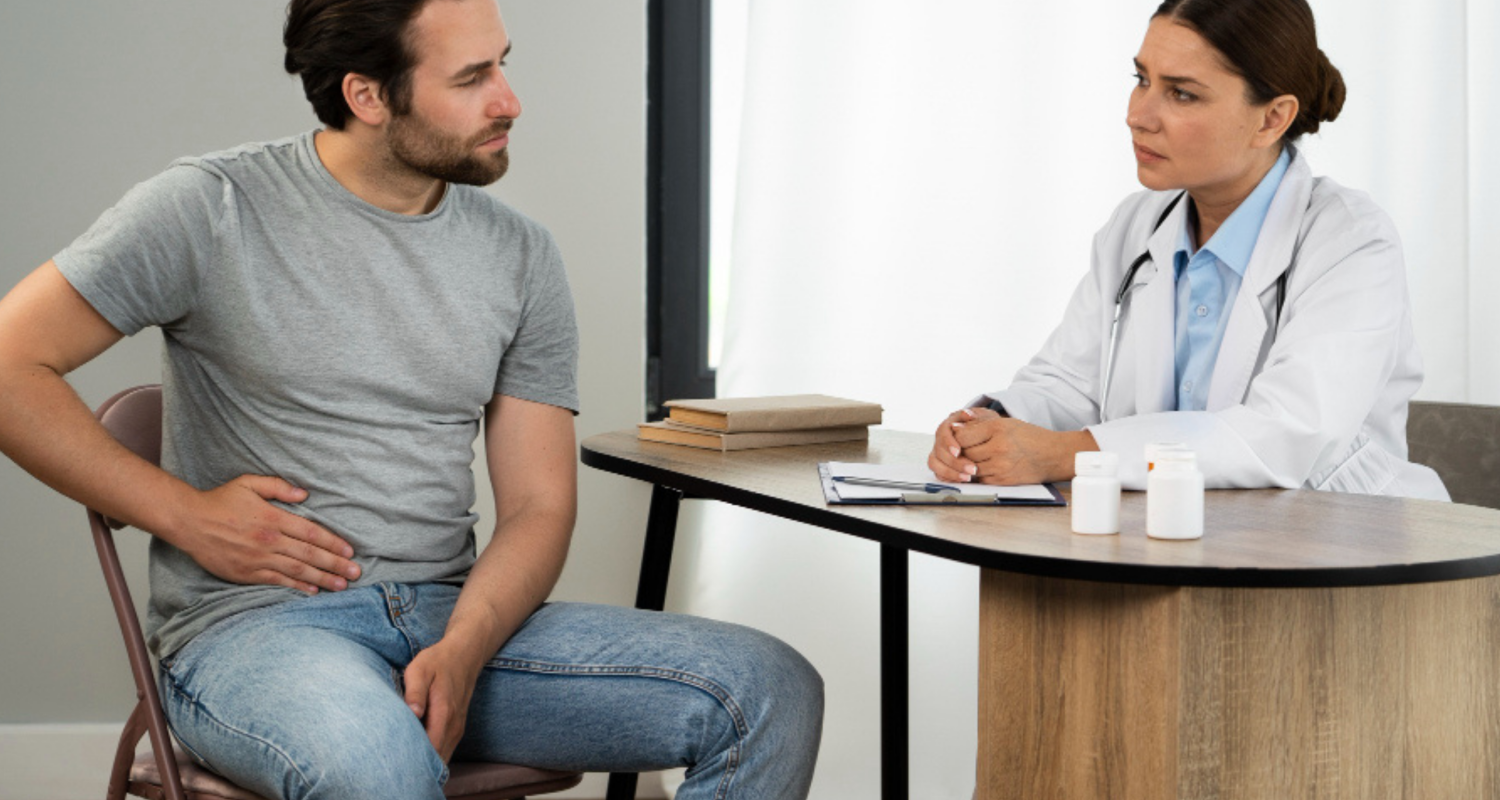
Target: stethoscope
(1125, 285)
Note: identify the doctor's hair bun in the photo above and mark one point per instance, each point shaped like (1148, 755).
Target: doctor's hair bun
(1329, 102)
(1273, 45)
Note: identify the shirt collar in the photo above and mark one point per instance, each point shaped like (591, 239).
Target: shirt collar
(1234, 241)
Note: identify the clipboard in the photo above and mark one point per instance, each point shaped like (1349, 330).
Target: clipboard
(1044, 494)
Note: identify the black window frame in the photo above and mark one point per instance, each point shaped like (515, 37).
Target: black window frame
(678, 79)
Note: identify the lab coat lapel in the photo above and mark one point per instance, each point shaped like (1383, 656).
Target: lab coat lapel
(1153, 304)
(1248, 323)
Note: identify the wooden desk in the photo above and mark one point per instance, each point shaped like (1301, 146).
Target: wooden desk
(1311, 645)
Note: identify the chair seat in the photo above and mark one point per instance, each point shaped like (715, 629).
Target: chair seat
(470, 780)
(199, 783)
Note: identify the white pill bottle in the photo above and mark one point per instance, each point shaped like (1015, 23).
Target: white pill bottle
(1174, 496)
(1096, 493)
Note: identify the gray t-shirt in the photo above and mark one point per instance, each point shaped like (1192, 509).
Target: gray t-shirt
(348, 349)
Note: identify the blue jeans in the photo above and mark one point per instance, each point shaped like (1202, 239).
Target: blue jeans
(304, 699)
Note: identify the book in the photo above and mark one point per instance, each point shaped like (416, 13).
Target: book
(723, 441)
(780, 413)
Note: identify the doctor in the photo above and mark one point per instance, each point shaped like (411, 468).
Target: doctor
(1263, 316)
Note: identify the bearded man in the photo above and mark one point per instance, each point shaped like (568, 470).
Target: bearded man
(343, 311)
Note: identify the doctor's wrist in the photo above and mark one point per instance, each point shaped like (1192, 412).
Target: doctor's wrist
(1071, 443)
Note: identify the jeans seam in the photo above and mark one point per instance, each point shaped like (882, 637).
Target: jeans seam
(203, 709)
(713, 689)
(729, 771)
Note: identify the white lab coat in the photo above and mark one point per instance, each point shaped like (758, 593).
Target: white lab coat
(1321, 405)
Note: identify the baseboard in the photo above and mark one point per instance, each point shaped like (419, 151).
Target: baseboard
(71, 762)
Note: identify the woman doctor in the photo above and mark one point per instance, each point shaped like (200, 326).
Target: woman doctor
(1266, 322)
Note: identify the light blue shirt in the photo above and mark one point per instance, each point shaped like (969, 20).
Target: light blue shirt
(1207, 282)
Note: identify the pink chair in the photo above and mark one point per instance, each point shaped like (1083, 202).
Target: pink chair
(134, 418)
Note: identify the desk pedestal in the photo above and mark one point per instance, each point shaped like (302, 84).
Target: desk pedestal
(1128, 692)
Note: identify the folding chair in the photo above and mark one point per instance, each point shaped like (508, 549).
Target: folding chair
(166, 773)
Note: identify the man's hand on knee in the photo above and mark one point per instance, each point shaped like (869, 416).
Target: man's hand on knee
(234, 532)
(439, 685)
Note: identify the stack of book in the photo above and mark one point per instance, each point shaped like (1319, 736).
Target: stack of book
(746, 423)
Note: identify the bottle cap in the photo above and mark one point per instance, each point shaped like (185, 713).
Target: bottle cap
(1155, 448)
(1180, 458)
(1095, 463)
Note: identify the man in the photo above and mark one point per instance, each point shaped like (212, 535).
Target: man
(340, 311)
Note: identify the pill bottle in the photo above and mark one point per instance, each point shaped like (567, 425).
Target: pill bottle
(1154, 448)
(1174, 496)
(1096, 493)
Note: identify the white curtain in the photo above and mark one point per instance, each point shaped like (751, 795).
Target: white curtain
(1482, 267)
(918, 186)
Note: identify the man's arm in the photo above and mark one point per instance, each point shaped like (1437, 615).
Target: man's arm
(533, 467)
(46, 331)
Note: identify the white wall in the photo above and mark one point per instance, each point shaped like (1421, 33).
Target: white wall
(100, 94)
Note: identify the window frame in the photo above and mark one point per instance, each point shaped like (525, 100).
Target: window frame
(678, 78)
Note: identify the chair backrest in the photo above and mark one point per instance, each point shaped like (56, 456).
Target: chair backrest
(134, 418)
(1462, 443)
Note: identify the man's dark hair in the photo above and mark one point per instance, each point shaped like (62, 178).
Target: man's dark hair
(328, 39)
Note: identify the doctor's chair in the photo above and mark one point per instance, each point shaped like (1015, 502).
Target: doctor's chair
(1461, 442)
(166, 772)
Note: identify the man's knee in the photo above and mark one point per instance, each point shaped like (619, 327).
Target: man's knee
(787, 690)
(736, 691)
(775, 714)
(764, 685)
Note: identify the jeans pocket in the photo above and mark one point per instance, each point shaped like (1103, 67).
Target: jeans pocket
(173, 669)
(180, 664)
(421, 612)
(173, 676)
(399, 598)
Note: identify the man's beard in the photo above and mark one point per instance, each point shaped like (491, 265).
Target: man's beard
(424, 149)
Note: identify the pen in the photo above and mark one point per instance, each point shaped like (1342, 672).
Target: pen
(931, 488)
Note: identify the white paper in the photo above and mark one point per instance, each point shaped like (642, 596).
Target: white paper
(916, 473)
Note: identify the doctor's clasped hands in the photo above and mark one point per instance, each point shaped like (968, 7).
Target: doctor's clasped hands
(979, 445)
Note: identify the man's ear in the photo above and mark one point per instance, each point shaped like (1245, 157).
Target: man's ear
(365, 99)
(1279, 115)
